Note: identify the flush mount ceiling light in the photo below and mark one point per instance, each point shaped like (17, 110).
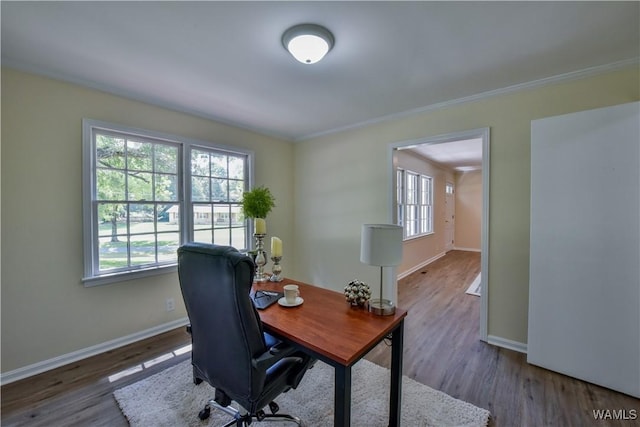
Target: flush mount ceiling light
(308, 43)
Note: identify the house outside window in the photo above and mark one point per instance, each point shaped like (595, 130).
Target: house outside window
(217, 185)
(414, 194)
(136, 186)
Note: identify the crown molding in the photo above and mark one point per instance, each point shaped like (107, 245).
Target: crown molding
(573, 75)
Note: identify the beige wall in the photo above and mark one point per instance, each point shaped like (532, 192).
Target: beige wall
(46, 311)
(468, 210)
(420, 249)
(338, 182)
(343, 181)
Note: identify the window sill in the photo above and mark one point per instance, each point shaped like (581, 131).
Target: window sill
(127, 275)
(417, 236)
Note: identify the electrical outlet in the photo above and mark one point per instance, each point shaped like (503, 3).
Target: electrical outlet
(170, 304)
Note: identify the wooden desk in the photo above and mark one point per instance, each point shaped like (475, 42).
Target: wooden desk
(329, 329)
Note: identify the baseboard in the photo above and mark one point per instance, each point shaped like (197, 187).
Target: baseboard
(508, 344)
(456, 248)
(421, 265)
(65, 359)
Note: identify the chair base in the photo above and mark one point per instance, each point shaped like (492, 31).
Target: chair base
(242, 420)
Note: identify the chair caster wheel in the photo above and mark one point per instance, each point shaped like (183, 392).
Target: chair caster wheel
(273, 407)
(205, 413)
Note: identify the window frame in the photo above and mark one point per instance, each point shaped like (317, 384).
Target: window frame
(416, 218)
(190, 204)
(92, 276)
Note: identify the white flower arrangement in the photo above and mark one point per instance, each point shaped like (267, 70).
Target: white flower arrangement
(357, 293)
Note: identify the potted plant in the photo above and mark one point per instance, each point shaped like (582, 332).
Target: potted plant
(257, 203)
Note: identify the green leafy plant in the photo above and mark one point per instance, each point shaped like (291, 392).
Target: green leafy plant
(258, 202)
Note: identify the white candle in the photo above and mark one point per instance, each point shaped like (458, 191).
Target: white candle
(276, 247)
(260, 226)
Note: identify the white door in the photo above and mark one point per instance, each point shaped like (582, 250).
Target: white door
(450, 216)
(584, 293)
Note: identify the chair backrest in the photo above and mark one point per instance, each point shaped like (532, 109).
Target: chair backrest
(226, 330)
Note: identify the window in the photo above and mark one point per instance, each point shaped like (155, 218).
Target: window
(449, 188)
(415, 202)
(411, 201)
(217, 184)
(400, 196)
(426, 208)
(137, 185)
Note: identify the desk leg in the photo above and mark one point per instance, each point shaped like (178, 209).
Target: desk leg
(342, 414)
(396, 375)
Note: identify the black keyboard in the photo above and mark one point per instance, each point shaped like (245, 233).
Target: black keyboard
(263, 299)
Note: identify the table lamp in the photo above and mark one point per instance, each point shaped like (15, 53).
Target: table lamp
(381, 245)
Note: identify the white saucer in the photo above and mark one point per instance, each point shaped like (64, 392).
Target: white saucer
(283, 302)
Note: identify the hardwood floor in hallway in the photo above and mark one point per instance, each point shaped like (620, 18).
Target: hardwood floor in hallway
(442, 350)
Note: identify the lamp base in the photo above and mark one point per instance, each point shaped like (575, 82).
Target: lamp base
(382, 307)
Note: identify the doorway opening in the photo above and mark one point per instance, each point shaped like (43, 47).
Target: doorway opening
(459, 160)
(449, 216)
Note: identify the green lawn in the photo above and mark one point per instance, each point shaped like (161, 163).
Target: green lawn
(143, 246)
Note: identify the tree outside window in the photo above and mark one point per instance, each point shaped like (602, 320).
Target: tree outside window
(134, 184)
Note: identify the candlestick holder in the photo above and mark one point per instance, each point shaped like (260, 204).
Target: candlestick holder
(261, 260)
(276, 269)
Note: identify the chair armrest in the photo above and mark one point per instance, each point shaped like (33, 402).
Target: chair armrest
(278, 351)
(281, 347)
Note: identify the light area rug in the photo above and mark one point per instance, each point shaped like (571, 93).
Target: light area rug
(476, 285)
(169, 398)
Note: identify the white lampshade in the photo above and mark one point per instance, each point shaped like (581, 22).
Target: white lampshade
(308, 43)
(381, 244)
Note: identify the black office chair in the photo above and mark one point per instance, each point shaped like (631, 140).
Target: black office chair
(230, 350)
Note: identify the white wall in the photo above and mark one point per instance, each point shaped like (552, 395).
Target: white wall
(584, 297)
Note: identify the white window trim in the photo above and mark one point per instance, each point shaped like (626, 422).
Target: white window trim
(186, 221)
(194, 145)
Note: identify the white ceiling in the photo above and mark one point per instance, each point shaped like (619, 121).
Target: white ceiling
(225, 61)
(463, 155)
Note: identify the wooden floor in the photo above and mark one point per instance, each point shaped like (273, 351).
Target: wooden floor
(442, 350)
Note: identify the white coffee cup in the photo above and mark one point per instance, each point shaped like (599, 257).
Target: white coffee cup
(291, 293)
